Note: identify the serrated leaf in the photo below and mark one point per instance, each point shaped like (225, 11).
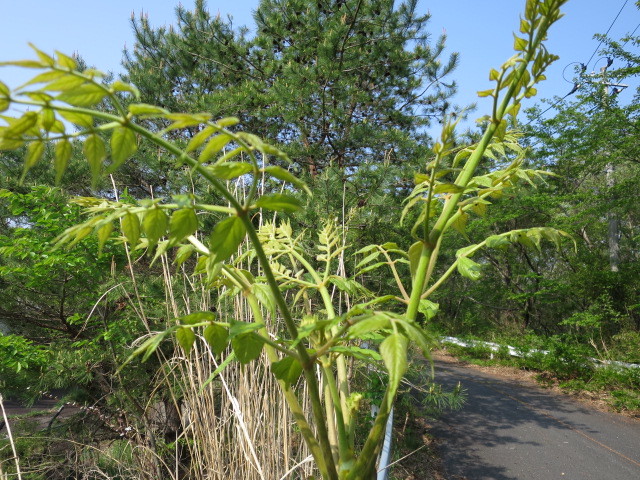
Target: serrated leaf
(199, 138)
(43, 78)
(183, 223)
(213, 146)
(369, 258)
(286, 176)
(497, 241)
(83, 96)
(393, 350)
(226, 237)
(23, 64)
(123, 146)
(63, 152)
(287, 370)
(35, 150)
(230, 170)
(448, 188)
(119, 86)
(227, 122)
(468, 268)
(184, 252)
(44, 58)
(66, 83)
(21, 125)
(494, 75)
(80, 119)
(247, 347)
(154, 224)
(146, 109)
(197, 317)
(66, 61)
(47, 118)
(104, 233)
(184, 120)
(519, 44)
(371, 323)
(360, 353)
(279, 202)
(217, 337)
(428, 308)
(95, 152)
(186, 338)
(265, 296)
(131, 228)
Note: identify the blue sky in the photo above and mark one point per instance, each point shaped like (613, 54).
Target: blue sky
(481, 30)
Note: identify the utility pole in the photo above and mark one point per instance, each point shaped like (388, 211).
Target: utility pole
(612, 218)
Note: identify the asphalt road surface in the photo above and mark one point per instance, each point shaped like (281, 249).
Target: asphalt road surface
(511, 431)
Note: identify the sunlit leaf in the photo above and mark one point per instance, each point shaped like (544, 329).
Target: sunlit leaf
(63, 152)
(230, 170)
(393, 350)
(213, 146)
(123, 145)
(154, 224)
(280, 202)
(468, 268)
(183, 223)
(131, 228)
(83, 96)
(104, 233)
(80, 119)
(145, 109)
(95, 151)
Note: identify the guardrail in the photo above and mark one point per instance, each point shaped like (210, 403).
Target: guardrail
(514, 352)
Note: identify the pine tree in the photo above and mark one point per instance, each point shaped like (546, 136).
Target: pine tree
(339, 82)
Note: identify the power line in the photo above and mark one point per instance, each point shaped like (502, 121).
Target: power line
(608, 30)
(630, 35)
(576, 86)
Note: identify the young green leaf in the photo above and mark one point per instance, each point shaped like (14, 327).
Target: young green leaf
(104, 232)
(66, 61)
(123, 145)
(217, 337)
(279, 202)
(468, 268)
(145, 109)
(286, 176)
(131, 228)
(83, 96)
(79, 119)
(214, 145)
(288, 370)
(393, 350)
(247, 346)
(95, 152)
(230, 170)
(182, 224)
(186, 338)
(61, 159)
(154, 224)
(226, 237)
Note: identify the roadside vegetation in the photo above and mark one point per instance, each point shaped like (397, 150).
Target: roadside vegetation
(247, 292)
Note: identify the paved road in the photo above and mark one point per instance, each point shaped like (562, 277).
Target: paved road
(507, 431)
